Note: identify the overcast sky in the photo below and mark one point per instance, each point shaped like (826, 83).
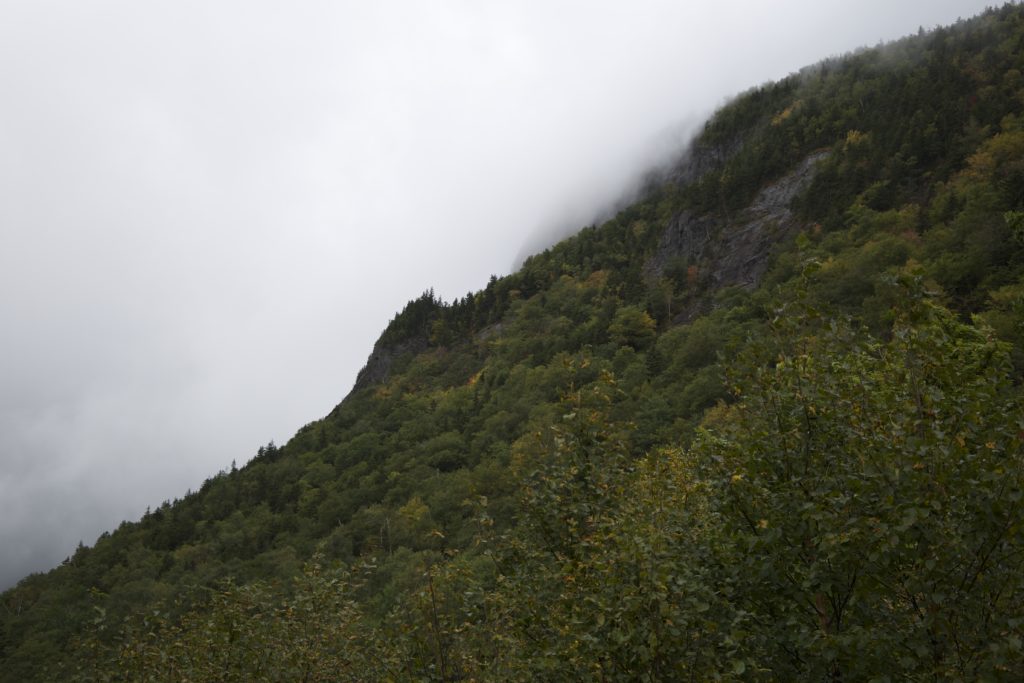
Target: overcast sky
(209, 210)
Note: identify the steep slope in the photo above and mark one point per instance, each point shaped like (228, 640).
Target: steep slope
(822, 192)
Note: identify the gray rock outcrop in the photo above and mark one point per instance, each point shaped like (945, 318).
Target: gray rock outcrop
(734, 251)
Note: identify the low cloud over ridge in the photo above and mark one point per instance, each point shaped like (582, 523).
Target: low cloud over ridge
(208, 211)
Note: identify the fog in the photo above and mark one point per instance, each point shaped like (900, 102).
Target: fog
(210, 210)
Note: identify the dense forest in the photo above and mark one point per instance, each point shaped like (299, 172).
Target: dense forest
(764, 424)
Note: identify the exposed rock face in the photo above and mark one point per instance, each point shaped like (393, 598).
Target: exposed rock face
(378, 365)
(725, 252)
(699, 159)
(736, 251)
(489, 332)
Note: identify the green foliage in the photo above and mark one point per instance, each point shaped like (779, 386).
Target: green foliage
(607, 574)
(632, 326)
(246, 633)
(871, 499)
(848, 507)
(414, 321)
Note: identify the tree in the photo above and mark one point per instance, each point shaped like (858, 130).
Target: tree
(314, 632)
(632, 326)
(609, 576)
(871, 495)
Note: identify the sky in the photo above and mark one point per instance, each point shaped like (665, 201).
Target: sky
(210, 210)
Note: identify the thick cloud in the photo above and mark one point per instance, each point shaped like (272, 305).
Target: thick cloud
(208, 211)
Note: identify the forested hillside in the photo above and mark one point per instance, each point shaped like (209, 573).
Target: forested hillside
(764, 424)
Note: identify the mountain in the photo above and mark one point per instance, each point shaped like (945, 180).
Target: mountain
(765, 423)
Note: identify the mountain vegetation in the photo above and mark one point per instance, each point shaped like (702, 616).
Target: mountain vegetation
(764, 424)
